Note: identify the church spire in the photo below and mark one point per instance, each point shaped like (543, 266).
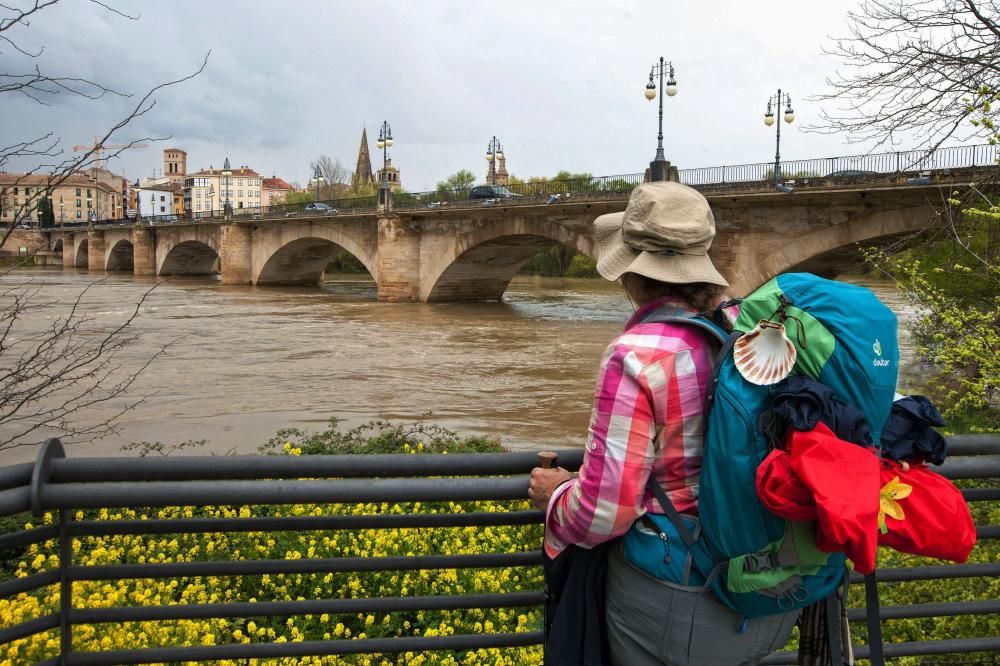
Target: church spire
(363, 171)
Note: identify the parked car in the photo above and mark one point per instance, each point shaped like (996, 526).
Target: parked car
(491, 192)
(320, 207)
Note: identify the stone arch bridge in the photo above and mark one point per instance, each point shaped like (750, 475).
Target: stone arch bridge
(472, 252)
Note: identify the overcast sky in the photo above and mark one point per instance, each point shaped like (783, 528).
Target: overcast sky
(559, 83)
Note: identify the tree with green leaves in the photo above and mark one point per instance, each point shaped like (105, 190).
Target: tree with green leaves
(463, 179)
(46, 216)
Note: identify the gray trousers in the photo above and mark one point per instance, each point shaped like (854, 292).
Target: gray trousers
(655, 623)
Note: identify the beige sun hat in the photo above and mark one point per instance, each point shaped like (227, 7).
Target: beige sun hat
(664, 234)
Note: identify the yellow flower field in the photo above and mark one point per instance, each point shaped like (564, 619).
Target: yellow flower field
(288, 545)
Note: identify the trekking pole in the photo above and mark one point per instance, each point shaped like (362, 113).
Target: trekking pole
(547, 459)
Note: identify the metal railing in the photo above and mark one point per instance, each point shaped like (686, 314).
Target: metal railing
(64, 486)
(852, 170)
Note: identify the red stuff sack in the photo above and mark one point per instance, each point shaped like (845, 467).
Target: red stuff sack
(923, 513)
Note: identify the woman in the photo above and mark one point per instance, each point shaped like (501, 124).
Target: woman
(647, 420)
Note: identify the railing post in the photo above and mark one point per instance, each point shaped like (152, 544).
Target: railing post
(51, 450)
(65, 588)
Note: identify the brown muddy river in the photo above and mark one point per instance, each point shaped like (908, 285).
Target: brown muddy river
(245, 361)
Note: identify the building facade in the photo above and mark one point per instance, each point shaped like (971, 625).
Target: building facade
(156, 201)
(274, 190)
(210, 189)
(77, 198)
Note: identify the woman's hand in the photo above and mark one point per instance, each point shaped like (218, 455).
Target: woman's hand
(543, 482)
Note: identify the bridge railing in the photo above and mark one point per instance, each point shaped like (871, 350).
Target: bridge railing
(77, 492)
(854, 168)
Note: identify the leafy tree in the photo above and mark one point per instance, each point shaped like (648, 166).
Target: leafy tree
(463, 179)
(951, 271)
(46, 216)
(909, 65)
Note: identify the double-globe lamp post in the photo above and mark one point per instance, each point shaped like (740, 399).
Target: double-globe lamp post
(778, 100)
(227, 183)
(317, 179)
(494, 152)
(658, 167)
(384, 142)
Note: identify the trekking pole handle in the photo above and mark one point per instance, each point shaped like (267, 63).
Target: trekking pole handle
(547, 459)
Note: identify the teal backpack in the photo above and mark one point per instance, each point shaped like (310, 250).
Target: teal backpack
(755, 562)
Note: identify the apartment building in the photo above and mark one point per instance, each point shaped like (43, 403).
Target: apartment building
(78, 198)
(210, 189)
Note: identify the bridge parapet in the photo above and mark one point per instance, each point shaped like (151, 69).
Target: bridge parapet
(77, 491)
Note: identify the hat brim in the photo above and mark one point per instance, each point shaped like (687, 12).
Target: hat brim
(615, 258)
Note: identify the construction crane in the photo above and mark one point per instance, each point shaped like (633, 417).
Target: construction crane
(98, 149)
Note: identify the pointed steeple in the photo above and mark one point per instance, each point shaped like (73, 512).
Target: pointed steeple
(363, 171)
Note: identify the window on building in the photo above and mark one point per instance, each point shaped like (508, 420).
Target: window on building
(78, 215)
(77, 203)
(15, 191)
(162, 209)
(161, 198)
(90, 204)
(78, 191)
(89, 193)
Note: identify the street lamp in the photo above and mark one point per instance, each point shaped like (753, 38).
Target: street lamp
(384, 142)
(211, 200)
(61, 211)
(494, 152)
(317, 179)
(226, 183)
(138, 202)
(777, 101)
(659, 166)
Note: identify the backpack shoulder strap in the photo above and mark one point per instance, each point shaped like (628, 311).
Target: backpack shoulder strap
(670, 315)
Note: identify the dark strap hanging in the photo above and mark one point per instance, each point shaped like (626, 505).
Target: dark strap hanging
(872, 615)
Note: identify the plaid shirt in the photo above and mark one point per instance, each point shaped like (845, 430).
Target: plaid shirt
(647, 419)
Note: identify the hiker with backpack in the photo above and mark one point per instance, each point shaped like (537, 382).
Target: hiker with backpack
(737, 458)
(648, 424)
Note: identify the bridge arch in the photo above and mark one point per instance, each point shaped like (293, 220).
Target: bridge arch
(480, 264)
(302, 261)
(189, 257)
(121, 257)
(866, 227)
(82, 254)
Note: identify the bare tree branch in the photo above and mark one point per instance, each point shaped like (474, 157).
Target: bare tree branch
(921, 67)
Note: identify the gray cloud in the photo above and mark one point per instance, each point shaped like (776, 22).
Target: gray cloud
(560, 83)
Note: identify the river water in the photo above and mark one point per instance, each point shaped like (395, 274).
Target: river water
(243, 361)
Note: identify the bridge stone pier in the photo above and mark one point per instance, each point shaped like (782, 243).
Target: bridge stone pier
(471, 252)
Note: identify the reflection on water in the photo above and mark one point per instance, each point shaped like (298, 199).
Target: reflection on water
(244, 362)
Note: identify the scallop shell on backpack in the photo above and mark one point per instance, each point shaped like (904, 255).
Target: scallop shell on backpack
(765, 355)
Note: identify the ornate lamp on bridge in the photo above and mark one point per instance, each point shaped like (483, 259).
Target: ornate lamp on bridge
(384, 142)
(317, 179)
(60, 212)
(494, 154)
(227, 181)
(659, 168)
(777, 101)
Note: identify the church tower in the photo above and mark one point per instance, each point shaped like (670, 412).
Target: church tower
(363, 171)
(502, 176)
